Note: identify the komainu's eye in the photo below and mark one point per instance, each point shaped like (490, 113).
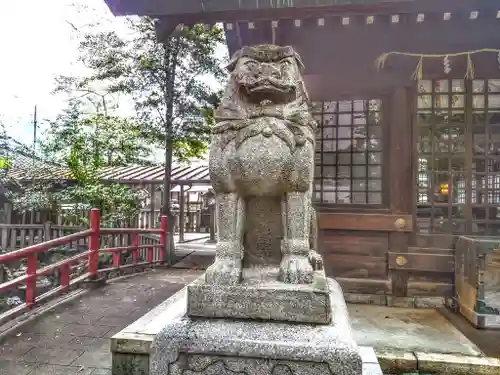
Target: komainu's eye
(251, 64)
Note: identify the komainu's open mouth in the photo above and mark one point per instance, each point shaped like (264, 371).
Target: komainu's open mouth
(270, 85)
(268, 88)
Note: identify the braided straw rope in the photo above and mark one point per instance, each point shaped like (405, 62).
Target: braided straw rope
(418, 72)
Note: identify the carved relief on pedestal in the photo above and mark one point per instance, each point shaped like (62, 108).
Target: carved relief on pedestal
(206, 365)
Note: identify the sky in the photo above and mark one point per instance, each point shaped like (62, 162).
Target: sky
(37, 42)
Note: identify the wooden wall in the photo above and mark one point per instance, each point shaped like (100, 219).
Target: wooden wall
(364, 262)
(376, 249)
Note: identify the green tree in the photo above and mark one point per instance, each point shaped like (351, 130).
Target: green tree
(85, 143)
(5, 162)
(115, 140)
(167, 82)
(154, 73)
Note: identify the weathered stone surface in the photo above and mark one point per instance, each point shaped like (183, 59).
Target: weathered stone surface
(261, 168)
(251, 347)
(128, 365)
(266, 269)
(261, 296)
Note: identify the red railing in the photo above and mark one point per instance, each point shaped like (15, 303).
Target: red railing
(64, 267)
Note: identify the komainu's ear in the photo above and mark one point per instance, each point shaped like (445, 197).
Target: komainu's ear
(300, 64)
(234, 60)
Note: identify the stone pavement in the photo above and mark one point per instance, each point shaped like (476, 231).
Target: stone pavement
(74, 337)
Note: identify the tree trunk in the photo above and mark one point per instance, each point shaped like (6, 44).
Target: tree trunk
(171, 55)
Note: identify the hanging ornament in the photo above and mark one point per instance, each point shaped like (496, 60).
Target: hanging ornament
(470, 68)
(447, 65)
(418, 72)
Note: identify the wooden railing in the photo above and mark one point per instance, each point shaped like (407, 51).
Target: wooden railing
(17, 236)
(144, 247)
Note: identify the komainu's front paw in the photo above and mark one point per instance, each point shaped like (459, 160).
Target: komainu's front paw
(224, 272)
(296, 269)
(316, 260)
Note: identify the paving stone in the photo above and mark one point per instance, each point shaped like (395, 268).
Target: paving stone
(90, 330)
(14, 350)
(115, 330)
(85, 343)
(15, 367)
(82, 318)
(101, 371)
(39, 339)
(118, 320)
(54, 356)
(74, 337)
(94, 358)
(44, 327)
(61, 370)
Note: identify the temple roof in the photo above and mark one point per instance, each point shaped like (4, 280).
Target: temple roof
(340, 42)
(182, 7)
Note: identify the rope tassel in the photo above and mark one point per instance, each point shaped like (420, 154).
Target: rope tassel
(447, 65)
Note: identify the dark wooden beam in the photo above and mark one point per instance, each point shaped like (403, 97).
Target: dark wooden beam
(340, 60)
(384, 7)
(203, 11)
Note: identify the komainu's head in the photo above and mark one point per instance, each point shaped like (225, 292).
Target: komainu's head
(267, 73)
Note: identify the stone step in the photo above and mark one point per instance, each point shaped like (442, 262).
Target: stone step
(370, 361)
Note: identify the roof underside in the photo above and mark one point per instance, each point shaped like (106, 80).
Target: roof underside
(183, 7)
(339, 50)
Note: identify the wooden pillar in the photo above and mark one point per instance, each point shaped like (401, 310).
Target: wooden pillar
(210, 195)
(152, 214)
(469, 153)
(7, 218)
(401, 181)
(181, 215)
(212, 224)
(188, 211)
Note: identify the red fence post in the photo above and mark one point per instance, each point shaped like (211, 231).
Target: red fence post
(135, 244)
(164, 255)
(94, 242)
(117, 258)
(64, 278)
(30, 296)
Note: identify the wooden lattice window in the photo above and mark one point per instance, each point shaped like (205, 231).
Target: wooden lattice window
(459, 156)
(348, 152)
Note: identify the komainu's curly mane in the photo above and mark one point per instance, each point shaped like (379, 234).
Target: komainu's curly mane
(281, 68)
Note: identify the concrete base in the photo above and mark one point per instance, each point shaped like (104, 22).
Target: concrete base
(482, 321)
(261, 296)
(132, 348)
(228, 347)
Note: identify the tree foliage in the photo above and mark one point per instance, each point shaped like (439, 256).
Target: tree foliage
(114, 140)
(173, 103)
(139, 66)
(84, 144)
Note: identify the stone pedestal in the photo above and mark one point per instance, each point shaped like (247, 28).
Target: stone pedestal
(265, 307)
(207, 346)
(261, 296)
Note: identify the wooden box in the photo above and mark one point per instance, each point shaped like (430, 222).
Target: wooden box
(477, 280)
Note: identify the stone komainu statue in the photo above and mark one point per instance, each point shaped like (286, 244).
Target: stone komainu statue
(261, 169)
